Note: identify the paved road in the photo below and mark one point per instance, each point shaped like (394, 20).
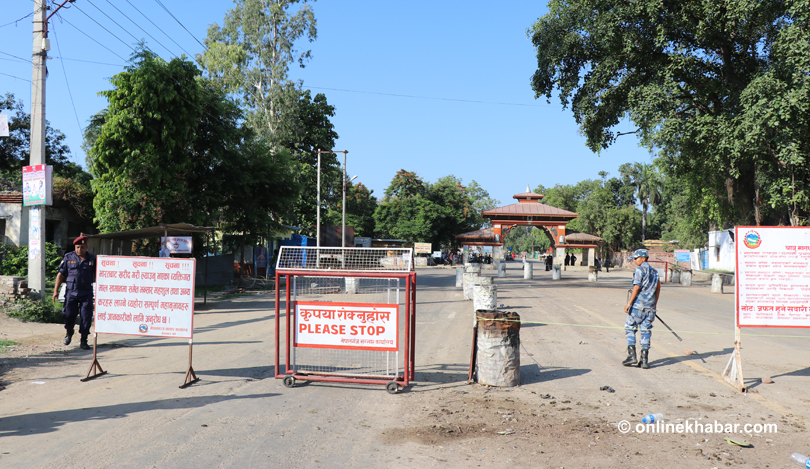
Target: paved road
(238, 415)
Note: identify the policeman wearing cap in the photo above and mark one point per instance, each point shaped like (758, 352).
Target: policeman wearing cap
(641, 308)
(78, 270)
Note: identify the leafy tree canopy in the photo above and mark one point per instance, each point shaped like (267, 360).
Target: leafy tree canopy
(417, 211)
(720, 88)
(171, 148)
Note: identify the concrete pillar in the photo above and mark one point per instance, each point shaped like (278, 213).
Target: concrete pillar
(528, 270)
(591, 256)
(556, 271)
(351, 285)
(559, 257)
(686, 278)
(592, 274)
(459, 276)
(502, 270)
(717, 283)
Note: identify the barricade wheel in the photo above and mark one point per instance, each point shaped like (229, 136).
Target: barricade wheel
(392, 387)
(289, 382)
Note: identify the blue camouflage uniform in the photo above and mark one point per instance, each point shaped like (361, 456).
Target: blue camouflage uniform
(642, 312)
(80, 276)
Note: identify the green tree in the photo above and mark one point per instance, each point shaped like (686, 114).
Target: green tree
(416, 211)
(479, 199)
(648, 185)
(171, 148)
(250, 55)
(719, 88)
(140, 159)
(15, 149)
(360, 207)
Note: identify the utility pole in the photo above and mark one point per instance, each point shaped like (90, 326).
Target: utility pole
(36, 214)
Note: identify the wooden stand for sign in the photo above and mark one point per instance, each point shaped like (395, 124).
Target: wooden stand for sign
(95, 366)
(473, 352)
(733, 371)
(191, 377)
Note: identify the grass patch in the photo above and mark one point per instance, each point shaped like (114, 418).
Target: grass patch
(44, 311)
(5, 344)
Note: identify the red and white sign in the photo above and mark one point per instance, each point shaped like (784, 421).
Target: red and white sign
(178, 244)
(37, 185)
(359, 326)
(146, 296)
(773, 276)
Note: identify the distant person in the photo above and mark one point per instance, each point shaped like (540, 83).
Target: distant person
(78, 270)
(607, 265)
(164, 250)
(567, 259)
(641, 308)
(549, 260)
(573, 260)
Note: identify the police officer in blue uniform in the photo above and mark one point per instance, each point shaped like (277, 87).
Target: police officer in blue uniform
(78, 270)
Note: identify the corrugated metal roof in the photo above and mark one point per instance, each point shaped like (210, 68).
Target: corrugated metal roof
(529, 210)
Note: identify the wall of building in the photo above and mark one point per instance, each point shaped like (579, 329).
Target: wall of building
(721, 250)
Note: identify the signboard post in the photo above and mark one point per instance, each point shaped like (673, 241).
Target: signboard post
(772, 287)
(145, 296)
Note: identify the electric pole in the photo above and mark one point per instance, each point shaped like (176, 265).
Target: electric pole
(36, 213)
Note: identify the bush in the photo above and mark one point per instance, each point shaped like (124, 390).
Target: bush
(26, 309)
(14, 260)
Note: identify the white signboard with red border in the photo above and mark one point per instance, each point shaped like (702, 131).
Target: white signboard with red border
(773, 276)
(358, 326)
(147, 296)
(178, 244)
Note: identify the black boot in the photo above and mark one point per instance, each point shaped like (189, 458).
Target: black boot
(67, 338)
(644, 357)
(84, 345)
(631, 356)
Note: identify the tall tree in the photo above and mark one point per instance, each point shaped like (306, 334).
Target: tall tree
(720, 88)
(417, 211)
(479, 199)
(648, 185)
(250, 54)
(171, 148)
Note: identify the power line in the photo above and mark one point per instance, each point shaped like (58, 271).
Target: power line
(426, 97)
(158, 27)
(16, 57)
(12, 76)
(139, 27)
(181, 24)
(101, 25)
(17, 21)
(94, 40)
(91, 62)
(108, 16)
(72, 103)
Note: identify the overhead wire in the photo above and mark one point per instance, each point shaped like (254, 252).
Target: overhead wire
(67, 83)
(101, 25)
(13, 76)
(139, 27)
(17, 21)
(158, 27)
(17, 57)
(214, 116)
(116, 23)
(426, 97)
(181, 24)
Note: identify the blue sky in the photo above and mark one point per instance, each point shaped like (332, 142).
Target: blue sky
(437, 88)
